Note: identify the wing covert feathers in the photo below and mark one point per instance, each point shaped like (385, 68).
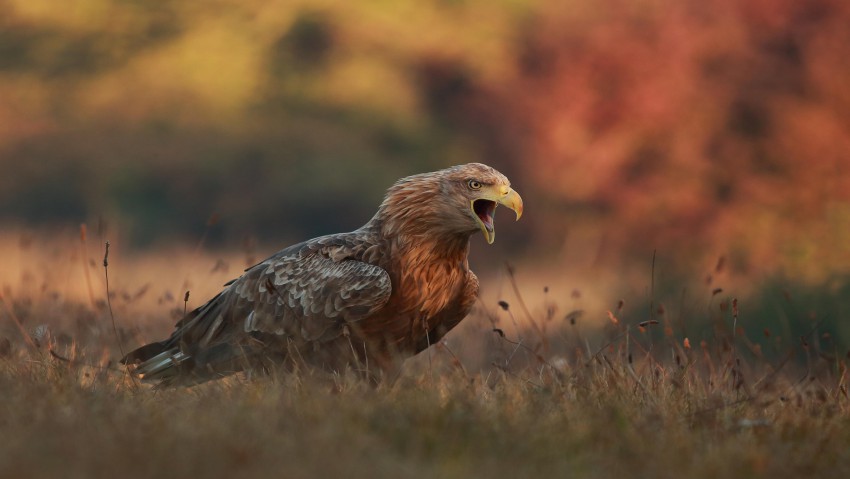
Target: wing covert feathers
(310, 296)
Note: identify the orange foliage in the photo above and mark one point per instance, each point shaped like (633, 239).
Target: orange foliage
(690, 126)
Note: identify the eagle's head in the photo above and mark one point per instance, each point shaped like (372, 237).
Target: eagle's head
(455, 201)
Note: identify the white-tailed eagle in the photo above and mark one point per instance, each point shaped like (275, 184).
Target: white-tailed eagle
(364, 299)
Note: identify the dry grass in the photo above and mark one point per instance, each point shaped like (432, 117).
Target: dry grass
(543, 395)
(593, 421)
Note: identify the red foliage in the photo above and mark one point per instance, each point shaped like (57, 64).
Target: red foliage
(716, 125)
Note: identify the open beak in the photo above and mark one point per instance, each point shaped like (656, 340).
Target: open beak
(484, 208)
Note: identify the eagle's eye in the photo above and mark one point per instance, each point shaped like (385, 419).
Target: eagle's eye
(474, 185)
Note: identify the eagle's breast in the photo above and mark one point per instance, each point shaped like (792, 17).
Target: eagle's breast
(429, 279)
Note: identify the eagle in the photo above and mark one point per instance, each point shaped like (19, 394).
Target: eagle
(364, 300)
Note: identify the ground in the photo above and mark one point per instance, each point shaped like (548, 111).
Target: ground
(546, 390)
(594, 416)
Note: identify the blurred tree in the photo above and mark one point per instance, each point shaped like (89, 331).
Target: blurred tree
(694, 128)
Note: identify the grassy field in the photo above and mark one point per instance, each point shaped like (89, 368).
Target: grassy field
(509, 394)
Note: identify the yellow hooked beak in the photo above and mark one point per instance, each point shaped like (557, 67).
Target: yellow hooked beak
(484, 207)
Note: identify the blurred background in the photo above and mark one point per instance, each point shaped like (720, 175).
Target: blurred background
(713, 136)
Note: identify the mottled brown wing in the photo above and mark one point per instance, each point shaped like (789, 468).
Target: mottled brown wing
(308, 295)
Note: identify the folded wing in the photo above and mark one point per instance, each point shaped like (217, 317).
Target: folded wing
(306, 293)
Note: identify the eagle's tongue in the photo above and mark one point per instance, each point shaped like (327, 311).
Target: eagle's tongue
(485, 209)
(487, 219)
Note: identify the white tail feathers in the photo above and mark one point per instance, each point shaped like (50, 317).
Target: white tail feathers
(162, 366)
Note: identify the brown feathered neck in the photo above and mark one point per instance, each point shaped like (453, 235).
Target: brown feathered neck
(420, 225)
(417, 215)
